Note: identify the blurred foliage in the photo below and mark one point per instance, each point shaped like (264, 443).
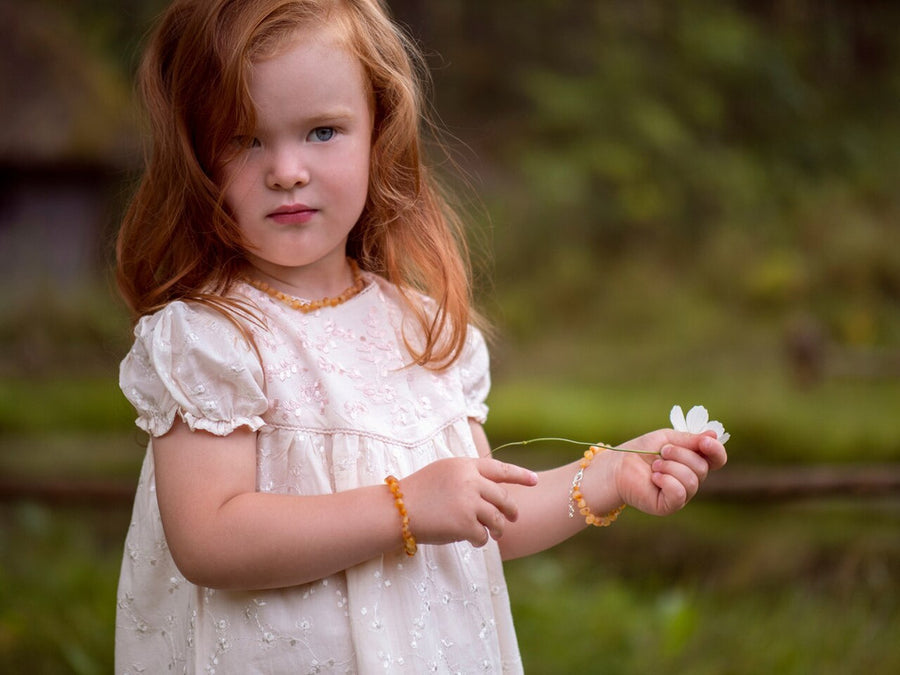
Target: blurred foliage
(717, 590)
(711, 590)
(78, 332)
(71, 405)
(770, 423)
(58, 576)
(689, 202)
(685, 202)
(741, 154)
(645, 165)
(113, 29)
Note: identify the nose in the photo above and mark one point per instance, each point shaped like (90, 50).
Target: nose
(287, 170)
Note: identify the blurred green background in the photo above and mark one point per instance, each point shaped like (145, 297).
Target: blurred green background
(690, 202)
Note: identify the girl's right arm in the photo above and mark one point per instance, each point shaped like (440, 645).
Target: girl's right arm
(222, 533)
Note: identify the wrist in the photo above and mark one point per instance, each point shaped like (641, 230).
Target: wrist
(409, 542)
(600, 503)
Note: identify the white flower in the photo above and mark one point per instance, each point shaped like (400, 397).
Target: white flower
(696, 422)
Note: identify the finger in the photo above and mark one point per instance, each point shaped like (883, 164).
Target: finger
(493, 494)
(706, 443)
(714, 451)
(682, 473)
(684, 438)
(492, 520)
(672, 493)
(503, 472)
(480, 538)
(694, 460)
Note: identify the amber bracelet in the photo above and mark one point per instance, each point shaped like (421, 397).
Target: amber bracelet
(576, 498)
(409, 542)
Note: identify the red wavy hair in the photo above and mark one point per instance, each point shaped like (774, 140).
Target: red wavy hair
(179, 242)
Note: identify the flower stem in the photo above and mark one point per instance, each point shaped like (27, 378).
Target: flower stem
(569, 440)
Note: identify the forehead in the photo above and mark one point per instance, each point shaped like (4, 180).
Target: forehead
(309, 67)
(279, 30)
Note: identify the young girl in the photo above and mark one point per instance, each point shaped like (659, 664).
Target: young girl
(318, 494)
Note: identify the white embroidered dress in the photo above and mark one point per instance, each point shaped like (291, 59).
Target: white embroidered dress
(334, 409)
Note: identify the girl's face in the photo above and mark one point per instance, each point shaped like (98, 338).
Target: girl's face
(298, 185)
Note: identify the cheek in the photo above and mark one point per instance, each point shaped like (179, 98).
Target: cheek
(350, 176)
(360, 173)
(237, 191)
(235, 181)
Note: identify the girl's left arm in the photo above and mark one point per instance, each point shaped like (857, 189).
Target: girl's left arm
(656, 484)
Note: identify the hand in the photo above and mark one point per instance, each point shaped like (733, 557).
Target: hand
(462, 499)
(661, 485)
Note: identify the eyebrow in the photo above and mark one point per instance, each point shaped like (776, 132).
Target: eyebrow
(330, 115)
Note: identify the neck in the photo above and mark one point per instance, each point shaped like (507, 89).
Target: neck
(308, 282)
(307, 306)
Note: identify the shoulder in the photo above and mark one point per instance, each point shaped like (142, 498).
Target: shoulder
(191, 359)
(191, 333)
(388, 290)
(406, 301)
(422, 309)
(191, 320)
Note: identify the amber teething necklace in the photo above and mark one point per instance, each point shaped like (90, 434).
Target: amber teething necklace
(307, 306)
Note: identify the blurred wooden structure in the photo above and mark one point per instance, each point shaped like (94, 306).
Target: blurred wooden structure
(739, 485)
(768, 484)
(68, 140)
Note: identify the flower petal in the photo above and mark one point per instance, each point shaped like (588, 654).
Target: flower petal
(676, 417)
(717, 426)
(697, 418)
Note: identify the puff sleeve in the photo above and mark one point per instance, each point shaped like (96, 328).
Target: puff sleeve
(475, 374)
(192, 361)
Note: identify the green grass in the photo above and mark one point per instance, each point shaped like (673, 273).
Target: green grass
(716, 589)
(72, 455)
(787, 590)
(45, 405)
(604, 625)
(808, 588)
(769, 421)
(58, 574)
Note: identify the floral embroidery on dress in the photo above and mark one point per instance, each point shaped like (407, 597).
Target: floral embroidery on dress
(335, 406)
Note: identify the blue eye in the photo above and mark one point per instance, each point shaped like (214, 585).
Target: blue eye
(322, 134)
